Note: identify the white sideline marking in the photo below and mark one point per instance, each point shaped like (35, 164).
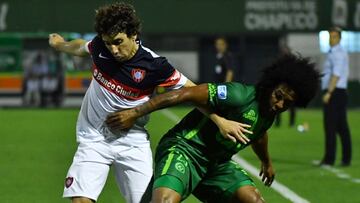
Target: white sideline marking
(341, 174)
(173, 117)
(277, 186)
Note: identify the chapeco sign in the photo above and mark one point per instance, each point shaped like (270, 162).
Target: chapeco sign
(280, 15)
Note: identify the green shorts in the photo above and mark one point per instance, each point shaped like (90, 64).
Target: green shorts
(181, 170)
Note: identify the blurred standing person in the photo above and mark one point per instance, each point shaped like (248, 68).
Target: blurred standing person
(49, 85)
(33, 77)
(32, 96)
(334, 85)
(225, 62)
(56, 65)
(125, 74)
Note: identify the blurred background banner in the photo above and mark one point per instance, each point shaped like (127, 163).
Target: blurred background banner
(183, 31)
(186, 16)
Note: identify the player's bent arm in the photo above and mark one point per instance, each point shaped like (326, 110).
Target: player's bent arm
(218, 120)
(267, 172)
(76, 47)
(198, 95)
(260, 147)
(231, 130)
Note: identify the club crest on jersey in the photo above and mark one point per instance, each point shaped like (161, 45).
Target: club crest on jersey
(69, 181)
(221, 92)
(138, 74)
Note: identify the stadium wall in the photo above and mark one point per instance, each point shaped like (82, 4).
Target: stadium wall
(185, 29)
(186, 16)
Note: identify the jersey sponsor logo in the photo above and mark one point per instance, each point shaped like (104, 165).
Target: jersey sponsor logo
(118, 88)
(69, 181)
(222, 92)
(138, 74)
(251, 115)
(102, 56)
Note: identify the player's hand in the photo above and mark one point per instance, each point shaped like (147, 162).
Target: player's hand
(267, 174)
(121, 120)
(234, 131)
(55, 39)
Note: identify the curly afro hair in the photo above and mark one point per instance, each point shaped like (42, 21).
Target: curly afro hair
(297, 72)
(115, 18)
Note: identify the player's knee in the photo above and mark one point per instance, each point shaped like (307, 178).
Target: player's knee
(164, 198)
(254, 198)
(81, 200)
(248, 195)
(163, 195)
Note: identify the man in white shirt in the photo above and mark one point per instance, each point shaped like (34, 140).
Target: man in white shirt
(334, 85)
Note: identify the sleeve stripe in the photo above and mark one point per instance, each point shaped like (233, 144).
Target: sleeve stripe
(88, 48)
(172, 80)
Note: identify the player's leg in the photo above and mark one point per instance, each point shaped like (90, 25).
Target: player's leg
(227, 182)
(330, 115)
(247, 194)
(165, 194)
(88, 173)
(133, 171)
(343, 127)
(175, 174)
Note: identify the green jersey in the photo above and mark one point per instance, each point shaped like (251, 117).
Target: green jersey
(234, 101)
(193, 157)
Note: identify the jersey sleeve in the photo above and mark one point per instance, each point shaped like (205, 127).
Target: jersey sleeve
(88, 47)
(339, 63)
(169, 77)
(229, 94)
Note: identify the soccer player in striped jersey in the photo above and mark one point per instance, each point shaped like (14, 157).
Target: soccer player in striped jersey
(125, 74)
(193, 157)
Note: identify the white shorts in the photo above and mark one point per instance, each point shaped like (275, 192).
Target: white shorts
(88, 173)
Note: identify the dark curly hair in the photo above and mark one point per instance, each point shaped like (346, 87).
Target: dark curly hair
(115, 18)
(297, 72)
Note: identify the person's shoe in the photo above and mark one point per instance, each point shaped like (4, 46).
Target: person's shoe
(321, 163)
(345, 164)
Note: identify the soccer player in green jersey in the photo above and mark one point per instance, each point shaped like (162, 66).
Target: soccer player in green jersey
(193, 157)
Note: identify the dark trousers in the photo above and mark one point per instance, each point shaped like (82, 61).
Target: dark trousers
(335, 122)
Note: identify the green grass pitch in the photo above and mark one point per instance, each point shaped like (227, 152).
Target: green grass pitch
(37, 147)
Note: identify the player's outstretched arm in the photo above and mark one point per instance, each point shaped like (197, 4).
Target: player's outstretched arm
(76, 47)
(198, 95)
(260, 147)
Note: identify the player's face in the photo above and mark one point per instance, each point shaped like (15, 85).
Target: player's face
(121, 46)
(282, 97)
(334, 38)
